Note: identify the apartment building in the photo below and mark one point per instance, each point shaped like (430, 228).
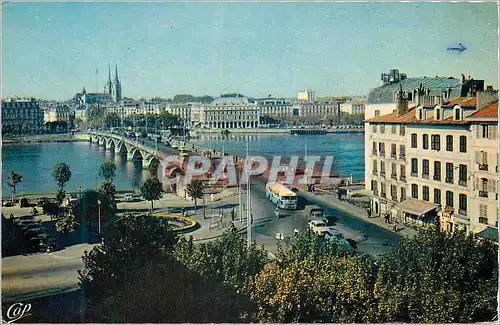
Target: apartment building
(21, 116)
(433, 154)
(280, 109)
(353, 107)
(230, 112)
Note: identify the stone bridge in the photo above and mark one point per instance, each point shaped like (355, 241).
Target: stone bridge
(123, 146)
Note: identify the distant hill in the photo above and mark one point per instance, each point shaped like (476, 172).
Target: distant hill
(183, 98)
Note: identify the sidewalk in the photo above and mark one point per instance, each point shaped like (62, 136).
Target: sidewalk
(334, 203)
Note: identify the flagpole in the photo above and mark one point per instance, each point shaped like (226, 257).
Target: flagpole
(249, 213)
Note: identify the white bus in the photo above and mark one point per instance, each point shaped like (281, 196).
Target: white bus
(280, 195)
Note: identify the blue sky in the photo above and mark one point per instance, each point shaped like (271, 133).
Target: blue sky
(52, 50)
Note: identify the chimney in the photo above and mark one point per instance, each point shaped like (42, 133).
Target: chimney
(401, 101)
(463, 78)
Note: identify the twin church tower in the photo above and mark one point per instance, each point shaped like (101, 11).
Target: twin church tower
(113, 87)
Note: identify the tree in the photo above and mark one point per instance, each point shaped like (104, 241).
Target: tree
(107, 171)
(195, 190)
(60, 196)
(131, 243)
(87, 209)
(13, 179)
(61, 174)
(108, 189)
(438, 277)
(67, 224)
(151, 190)
(112, 120)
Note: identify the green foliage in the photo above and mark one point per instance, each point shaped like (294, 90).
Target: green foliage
(151, 190)
(130, 244)
(438, 277)
(108, 189)
(60, 196)
(225, 260)
(107, 171)
(61, 174)
(316, 290)
(14, 178)
(195, 190)
(67, 224)
(87, 208)
(180, 99)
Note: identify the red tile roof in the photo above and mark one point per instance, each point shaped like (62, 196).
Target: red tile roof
(462, 101)
(410, 118)
(489, 111)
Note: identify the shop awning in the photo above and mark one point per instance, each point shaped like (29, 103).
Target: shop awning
(416, 207)
(489, 233)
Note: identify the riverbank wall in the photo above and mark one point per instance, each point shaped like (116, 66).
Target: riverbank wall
(47, 138)
(277, 131)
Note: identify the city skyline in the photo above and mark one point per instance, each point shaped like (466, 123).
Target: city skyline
(255, 49)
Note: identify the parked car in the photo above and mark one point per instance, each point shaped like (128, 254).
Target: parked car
(318, 227)
(337, 237)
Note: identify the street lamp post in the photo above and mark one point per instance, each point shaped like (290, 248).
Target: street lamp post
(99, 208)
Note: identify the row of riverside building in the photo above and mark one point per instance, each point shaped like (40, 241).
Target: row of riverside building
(431, 153)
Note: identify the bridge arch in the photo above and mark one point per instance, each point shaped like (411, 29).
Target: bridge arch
(134, 154)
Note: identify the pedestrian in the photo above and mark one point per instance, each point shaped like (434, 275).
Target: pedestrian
(369, 212)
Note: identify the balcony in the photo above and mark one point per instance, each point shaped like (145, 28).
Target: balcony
(426, 176)
(382, 173)
(394, 198)
(449, 180)
(483, 167)
(394, 176)
(436, 177)
(402, 157)
(374, 152)
(384, 195)
(462, 212)
(393, 155)
(375, 192)
(402, 179)
(414, 174)
(483, 194)
(382, 153)
(462, 182)
(375, 172)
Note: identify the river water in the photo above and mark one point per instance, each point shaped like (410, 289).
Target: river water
(36, 161)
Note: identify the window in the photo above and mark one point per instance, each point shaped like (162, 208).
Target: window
(402, 129)
(425, 168)
(403, 194)
(402, 173)
(425, 141)
(393, 171)
(382, 168)
(457, 114)
(462, 204)
(393, 150)
(393, 128)
(375, 167)
(463, 144)
(382, 190)
(394, 194)
(382, 128)
(462, 175)
(435, 142)
(438, 114)
(410, 97)
(449, 173)
(482, 160)
(420, 114)
(437, 196)
(437, 171)
(374, 129)
(449, 199)
(425, 193)
(402, 153)
(414, 191)
(374, 187)
(374, 148)
(413, 140)
(483, 214)
(484, 129)
(414, 167)
(377, 113)
(449, 143)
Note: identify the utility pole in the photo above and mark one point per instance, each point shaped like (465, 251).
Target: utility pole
(249, 212)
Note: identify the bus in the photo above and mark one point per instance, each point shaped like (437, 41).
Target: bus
(280, 195)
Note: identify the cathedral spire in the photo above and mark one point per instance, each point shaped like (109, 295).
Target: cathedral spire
(116, 71)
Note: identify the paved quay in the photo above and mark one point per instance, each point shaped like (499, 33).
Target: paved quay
(334, 203)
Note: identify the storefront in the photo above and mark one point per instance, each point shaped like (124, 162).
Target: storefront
(419, 213)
